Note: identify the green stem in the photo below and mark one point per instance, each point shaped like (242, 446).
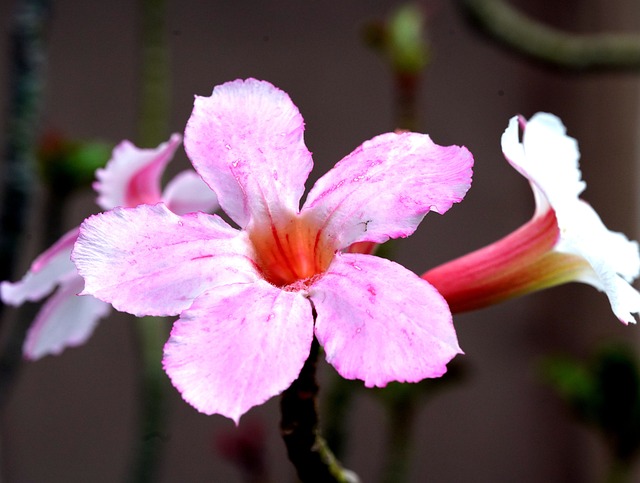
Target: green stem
(307, 450)
(511, 28)
(151, 339)
(154, 106)
(152, 124)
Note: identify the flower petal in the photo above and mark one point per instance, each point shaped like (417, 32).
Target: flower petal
(624, 299)
(547, 157)
(132, 175)
(237, 346)
(385, 187)
(614, 259)
(246, 141)
(150, 261)
(379, 322)
(65, 320)
(187, 193)
(46, 271)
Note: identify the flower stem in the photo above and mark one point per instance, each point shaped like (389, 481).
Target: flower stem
(513, 29)
(152, 383)
(307, 450)
(154, 96)
(407, 87)
(153, 118)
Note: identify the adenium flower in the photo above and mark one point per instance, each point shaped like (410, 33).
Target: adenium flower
(132, 176)
(252, 298)
(565, 240)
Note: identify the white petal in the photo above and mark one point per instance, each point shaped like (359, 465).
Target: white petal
(547, 157)
(614, 259)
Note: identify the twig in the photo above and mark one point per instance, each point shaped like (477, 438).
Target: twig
(582, 52)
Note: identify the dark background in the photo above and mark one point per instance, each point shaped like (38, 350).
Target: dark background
(72, 417)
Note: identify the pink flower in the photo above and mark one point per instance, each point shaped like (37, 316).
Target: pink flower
(565, 240)
(132, 176)
(251, 299)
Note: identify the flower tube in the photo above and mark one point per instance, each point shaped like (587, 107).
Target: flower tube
(565, 241)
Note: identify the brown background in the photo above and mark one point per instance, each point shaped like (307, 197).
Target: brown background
(71, 418)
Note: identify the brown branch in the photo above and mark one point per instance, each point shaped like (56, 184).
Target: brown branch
(307, 450)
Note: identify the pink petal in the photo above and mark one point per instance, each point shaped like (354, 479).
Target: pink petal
(379, 322)
(246, 141)
(132, 176)
(150, 261)
(187, 193)
(385, 187)
(65, 320)
(237, 346)
(45, 273)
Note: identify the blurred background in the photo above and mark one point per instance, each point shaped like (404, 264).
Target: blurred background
(72, 418)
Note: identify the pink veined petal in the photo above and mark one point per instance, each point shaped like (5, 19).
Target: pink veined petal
(65, 320)
(150, 261)
(385, 187)
(246, 141)
(237, 346)
(187, 193)
(132, 175)
(379, 322)
(46, 271)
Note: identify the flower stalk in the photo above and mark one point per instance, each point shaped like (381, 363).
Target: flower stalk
(153, 120)
(307, 450)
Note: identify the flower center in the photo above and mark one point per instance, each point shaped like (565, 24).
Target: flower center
(291, 252)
